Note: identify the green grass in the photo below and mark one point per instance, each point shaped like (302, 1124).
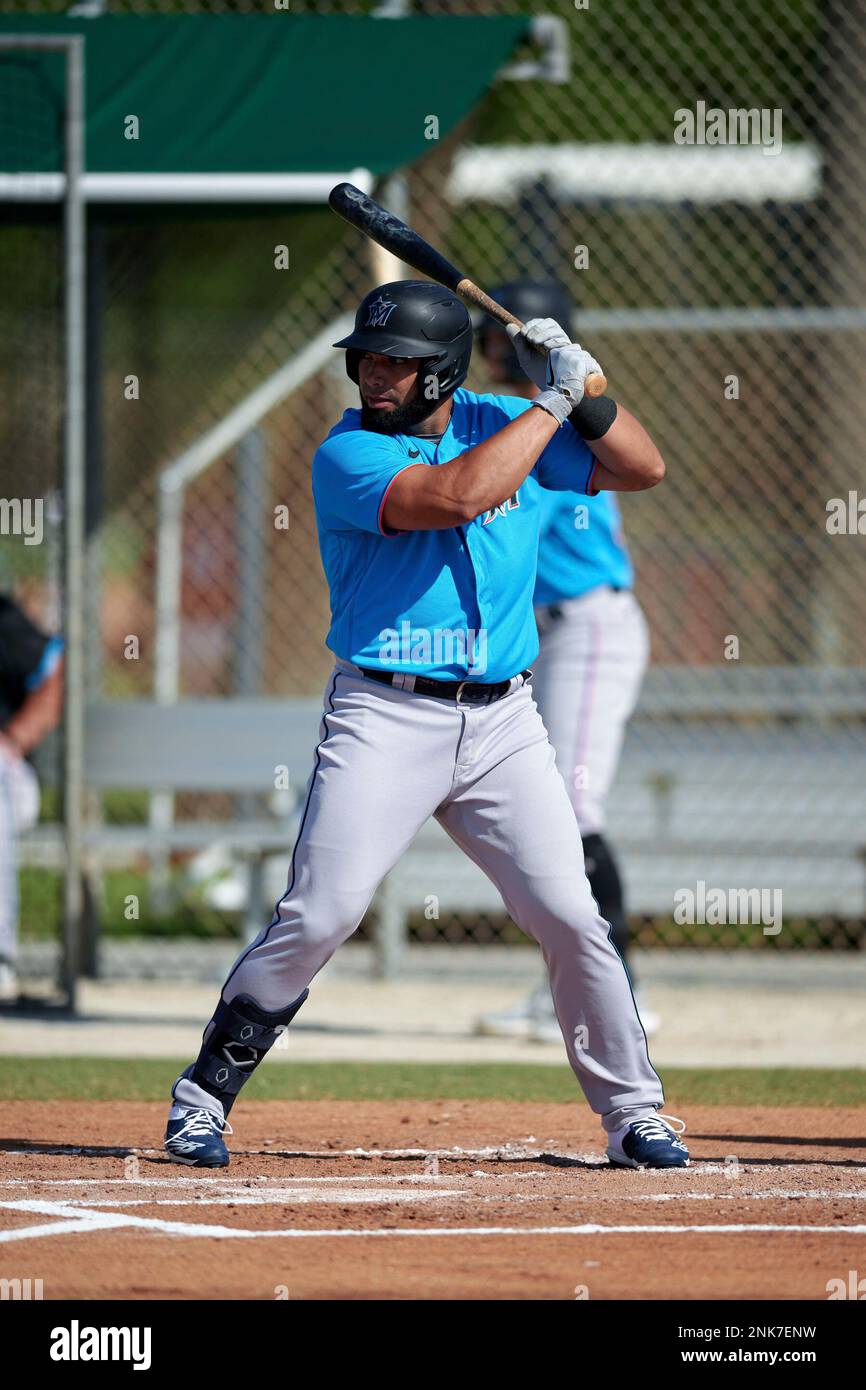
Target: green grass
(97, 1078)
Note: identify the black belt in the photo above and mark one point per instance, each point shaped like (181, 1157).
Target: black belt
(464, 692)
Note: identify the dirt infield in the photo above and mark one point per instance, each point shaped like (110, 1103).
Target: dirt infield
(446, 1199)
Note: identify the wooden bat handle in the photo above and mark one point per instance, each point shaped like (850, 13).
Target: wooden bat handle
(596, 382)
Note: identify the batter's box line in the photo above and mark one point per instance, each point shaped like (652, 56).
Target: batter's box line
(586, 1162)
(72, 1151)
(69, 1220)
(503, 1153)
(267, 1190)
(452, 1155)
(242, 1184)
(386, 1196)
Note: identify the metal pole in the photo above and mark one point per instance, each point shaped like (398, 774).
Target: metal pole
(250, 504)
(95, 457)
(169, 560)
(384, 265)
(177, 475)
(75, 236)
(169, 573)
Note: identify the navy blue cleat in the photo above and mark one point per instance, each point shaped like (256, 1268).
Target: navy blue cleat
(651, 1142)
(194, 1136)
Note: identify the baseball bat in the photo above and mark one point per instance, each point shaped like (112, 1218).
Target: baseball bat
(383, 227)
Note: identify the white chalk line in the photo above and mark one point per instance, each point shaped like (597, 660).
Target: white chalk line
(95, 1222)
(374, 1196)
(502, 1153)
(332, 1189)
(330, 1196)
(81, 1214)
(241, 1184)
(80, 1222)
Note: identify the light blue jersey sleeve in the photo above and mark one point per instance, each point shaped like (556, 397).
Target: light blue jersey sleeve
(566, 463)
(353, 471)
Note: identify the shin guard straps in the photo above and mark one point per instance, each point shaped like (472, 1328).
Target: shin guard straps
(240, 1035)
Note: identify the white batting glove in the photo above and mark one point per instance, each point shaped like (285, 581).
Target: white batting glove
(543, 333)
(561, 376)
(567, 370)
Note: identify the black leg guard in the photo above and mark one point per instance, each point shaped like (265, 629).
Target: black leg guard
(236, 1040)
(606, 885)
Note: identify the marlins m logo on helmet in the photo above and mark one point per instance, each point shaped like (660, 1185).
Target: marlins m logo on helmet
(379, 312)
(414, 319)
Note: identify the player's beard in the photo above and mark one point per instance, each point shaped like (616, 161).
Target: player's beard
(403, 419)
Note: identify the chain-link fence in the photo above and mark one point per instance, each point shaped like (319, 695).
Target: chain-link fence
(697, 183)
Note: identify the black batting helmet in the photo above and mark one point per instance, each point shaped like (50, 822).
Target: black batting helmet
(526, 299)
(414, 318)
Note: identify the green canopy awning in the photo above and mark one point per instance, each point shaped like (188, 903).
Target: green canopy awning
(249, 94)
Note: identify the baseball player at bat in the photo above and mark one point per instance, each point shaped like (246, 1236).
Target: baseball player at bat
(428, 504)
(593, 650)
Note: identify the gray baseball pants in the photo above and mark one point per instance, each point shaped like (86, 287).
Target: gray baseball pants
(587, 679)
(387, 760)
(19, 811)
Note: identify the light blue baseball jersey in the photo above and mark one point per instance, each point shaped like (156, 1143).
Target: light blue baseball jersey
(451, 604)
(581, 546)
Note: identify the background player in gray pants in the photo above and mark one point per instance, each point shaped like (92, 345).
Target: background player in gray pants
(593, 651)
(31, 702)
(428, 502)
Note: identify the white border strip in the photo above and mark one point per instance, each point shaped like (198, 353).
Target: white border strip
(182, 188)
(638, 173)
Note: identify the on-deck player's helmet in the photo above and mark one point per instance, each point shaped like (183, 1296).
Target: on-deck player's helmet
(414, 318)
(526, 299)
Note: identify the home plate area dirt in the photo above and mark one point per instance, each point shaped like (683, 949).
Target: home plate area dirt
(420, 1200)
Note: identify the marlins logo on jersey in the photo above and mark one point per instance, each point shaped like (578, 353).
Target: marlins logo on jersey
(504, 507)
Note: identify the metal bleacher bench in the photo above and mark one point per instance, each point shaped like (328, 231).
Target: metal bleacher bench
(232, 746)
(752, 777)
